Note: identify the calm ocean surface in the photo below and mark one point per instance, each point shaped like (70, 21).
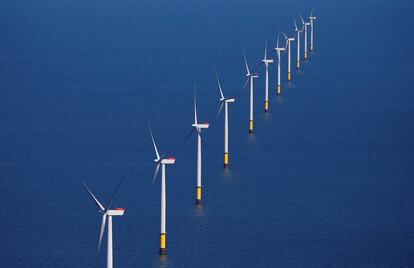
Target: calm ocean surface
(326, 180)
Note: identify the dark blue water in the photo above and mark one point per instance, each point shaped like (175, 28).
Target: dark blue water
(326, 180)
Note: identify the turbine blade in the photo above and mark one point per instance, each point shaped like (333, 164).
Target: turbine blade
(245, 83)
(218, 82)
(181, 143)
(113, 194)
(102, 230)
(277, 44)
(195, 106)
(156, 172)
(245, 62)
(265, 53)
(303, 22)
(294, 21)
(285, 35)
(96, 201)
(257, 65)
(153, 141)
(311, 13)
(219, 110)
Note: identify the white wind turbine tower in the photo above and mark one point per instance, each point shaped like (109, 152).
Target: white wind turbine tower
(305, 24)
(163, 160)
(311, 18)
(107, 213)
(278, 50)
(266, 62)
(250, 78)
(298, 43)
(288, 40)
(225, 101)
(198, 127)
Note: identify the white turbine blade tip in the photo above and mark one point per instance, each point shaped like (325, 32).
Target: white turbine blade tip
(155, 173)
(195, 107)
(153, 141)
(102, 230)
(219, 86)
(277, 44)
(92, 195)
(219, 110)
(245, 62)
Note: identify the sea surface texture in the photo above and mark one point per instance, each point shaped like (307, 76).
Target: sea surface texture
(325, 180)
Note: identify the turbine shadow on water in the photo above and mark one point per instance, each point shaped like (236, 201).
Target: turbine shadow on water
(163, 261)
(199, 211)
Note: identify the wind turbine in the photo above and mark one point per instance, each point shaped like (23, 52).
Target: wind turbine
(161, 160)
(198, 127)
(288, 40)
(250, 78)
(298, 43)
(107, 213)
(266, 62)
(311, 18)
(278, 50)
(305, 24)
(225, 101)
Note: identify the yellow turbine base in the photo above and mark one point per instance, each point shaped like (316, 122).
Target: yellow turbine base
(226, 159)
(251, 126)
(278, 90)
(297, 65)
(288, 76)
(198, 195)
(266, 106)
(306, 55)
(162, 244)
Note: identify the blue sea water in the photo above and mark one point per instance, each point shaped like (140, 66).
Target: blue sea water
(326, 180)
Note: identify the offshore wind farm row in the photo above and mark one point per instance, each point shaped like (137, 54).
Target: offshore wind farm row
(162, 160)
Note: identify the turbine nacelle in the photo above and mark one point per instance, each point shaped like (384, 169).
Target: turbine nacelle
(227, 99)
(267, 61)
(116, 212)
(312, 18)
(113, 212)
(201, 125)
(168, 161)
